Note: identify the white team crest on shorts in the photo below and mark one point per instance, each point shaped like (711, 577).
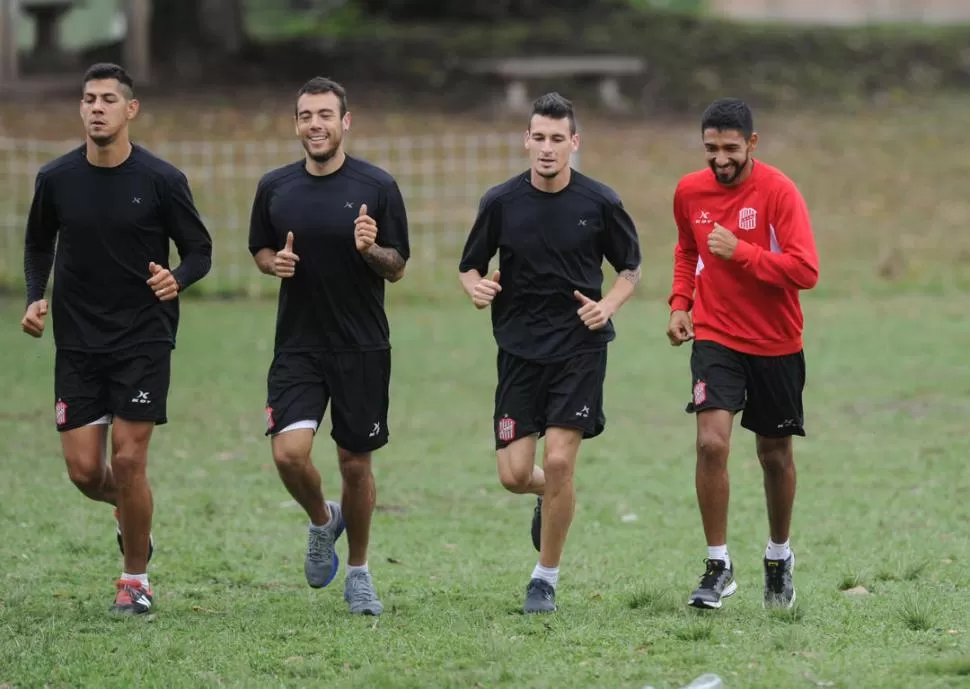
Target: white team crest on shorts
(747, 219)
(60, 413)
(506, 429)
(700, 393)
(269, 418)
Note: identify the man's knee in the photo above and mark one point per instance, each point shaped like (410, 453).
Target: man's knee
(714, 436)
(515, 479)
(355, 467)
(516, 463)
(85, 471)
(562, 446)
(129, 441)
(84, 457)
(775, 454)
(291, 449)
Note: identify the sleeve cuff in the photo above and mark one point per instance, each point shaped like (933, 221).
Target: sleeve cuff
(680, 304)
(744, 252)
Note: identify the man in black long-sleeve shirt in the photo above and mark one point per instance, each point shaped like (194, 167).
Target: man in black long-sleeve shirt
(333, 228)
(111, 208)
(551, 227)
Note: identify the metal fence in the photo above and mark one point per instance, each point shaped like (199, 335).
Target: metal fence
(442, 178)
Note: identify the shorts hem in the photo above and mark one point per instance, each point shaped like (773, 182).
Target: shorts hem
(774, 433)
(502, 444)
(588, 433)
(692, 409)
(361, 448)
(86, 421)
(158, 421)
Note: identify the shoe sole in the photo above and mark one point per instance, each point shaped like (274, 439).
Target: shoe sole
(368, 612)
(527, 611)
(333, 574)
(729, 591)
(791, 603)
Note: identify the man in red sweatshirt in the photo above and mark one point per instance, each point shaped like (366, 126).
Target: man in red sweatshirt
(744, 251)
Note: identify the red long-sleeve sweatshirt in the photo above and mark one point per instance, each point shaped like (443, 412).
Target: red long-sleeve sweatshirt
(749, 302)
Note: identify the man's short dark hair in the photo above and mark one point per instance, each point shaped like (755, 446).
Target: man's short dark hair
(109, 70)
(728, 114)
(555, 107)
(324, 85)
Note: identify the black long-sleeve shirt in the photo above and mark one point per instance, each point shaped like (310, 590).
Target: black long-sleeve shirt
(549, 245)
(108, 224)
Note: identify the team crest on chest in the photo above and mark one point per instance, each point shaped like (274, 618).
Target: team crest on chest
(747, 219)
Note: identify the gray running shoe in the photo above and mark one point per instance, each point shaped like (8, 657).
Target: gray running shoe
(322, 562)
(360, 595)
(716, 584)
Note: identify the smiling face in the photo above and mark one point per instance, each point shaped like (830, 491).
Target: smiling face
(107, 106)
(729, 154)
(550, 143)
(320, 124)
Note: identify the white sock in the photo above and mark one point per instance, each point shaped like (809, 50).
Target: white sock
(719, 552)
(550, 575)
(778, 551)
(357, 569)
(142, 578)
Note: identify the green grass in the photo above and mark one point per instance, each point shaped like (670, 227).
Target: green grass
(882, 475)
(881, 504)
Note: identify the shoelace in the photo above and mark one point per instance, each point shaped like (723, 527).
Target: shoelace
(775, 578)
(359, 588)
(317, 547)
(711, 574)
(543, 590)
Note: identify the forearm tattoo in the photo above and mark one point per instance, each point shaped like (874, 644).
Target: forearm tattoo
(384, 261)
(631, 275)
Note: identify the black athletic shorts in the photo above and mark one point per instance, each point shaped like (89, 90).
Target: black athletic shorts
(131, 384)
(356, 385)
(768, 388)
(531, 396)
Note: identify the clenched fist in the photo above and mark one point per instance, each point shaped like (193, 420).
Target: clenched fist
(594, 314)
(680, 329)
(33, 320)
(485, 290)
(162, 282)
(722, 242)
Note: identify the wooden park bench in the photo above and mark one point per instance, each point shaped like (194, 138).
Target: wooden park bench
(518, 71)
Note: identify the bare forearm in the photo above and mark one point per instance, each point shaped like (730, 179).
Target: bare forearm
(385, 261)
(624, 287)
(264, 261)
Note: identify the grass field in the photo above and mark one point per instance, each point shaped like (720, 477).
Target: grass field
(881, 504)
(882, 475)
